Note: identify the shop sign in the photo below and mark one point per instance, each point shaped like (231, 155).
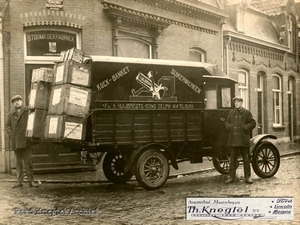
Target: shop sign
(49, 42)
(55, 4)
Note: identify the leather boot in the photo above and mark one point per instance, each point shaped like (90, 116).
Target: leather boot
(248, 180)
(32, 184)
(17, 185)
(230, 180)
(232, 172)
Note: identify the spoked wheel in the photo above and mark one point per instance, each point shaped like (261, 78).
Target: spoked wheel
(152, 170)
(265, 160)
(222, 165)
(113, 168)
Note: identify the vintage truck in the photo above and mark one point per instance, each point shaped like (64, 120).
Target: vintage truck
(146, 115)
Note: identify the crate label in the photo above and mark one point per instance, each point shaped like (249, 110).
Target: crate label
(32, 97)
(53, 125)
(59, 73)
(73, 130)
(78, 97)
(30, 121)
(80, 76)
(34, 72)
(56, 96)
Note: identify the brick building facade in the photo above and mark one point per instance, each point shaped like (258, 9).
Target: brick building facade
(142, 28)
(215, 32)
(261, 49)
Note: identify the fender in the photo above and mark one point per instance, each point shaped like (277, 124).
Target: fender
(134, 156)
(255, 141)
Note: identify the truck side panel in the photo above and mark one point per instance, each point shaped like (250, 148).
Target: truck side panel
(143, 103)
(113, 127)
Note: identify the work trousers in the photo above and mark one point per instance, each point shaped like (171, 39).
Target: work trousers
(234, 152)
(24, 154)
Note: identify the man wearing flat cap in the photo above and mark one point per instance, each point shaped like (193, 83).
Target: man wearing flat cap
(239, 124)
(16, 125)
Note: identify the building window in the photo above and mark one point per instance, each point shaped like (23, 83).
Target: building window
(134, 47)
(277, 100)
(134, 40)
(291, 34)
(243, 87)
(47, 43)
(197, 55)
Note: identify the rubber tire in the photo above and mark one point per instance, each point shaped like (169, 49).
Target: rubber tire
(257, 154)
(219, 168)
(152, 155)
(113, 168)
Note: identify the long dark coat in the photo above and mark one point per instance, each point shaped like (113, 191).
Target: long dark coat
(16, 128)
(240, 124)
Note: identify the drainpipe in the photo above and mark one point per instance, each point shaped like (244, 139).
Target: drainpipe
(2, 115)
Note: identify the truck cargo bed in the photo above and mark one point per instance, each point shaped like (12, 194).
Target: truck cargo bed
(121, 127)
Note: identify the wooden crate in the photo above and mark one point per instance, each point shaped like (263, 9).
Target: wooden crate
(36, 123)
(39, 95)
(75, 55)
(42, 74)
(70, 72)
(70, 99)
(64, 128)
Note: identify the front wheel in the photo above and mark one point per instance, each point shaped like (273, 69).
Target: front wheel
(265, 160)
(152, 170)
(113, 168)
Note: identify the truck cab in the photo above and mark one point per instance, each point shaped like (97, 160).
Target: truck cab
(218, 94)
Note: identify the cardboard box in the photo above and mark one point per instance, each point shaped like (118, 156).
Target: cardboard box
(62, 56)
(76, 55)
(70, 72)
(70, 99)
(36, 123)
(42, 74)
(64, 128)
(39, 95)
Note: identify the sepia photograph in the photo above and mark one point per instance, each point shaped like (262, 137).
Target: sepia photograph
(150, 112)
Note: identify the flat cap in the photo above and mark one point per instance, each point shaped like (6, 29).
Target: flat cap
(15, 98)
(237, 98)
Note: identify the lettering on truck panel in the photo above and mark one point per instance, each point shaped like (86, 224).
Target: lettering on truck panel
(113, 78)
(186, 81)
(152, 87)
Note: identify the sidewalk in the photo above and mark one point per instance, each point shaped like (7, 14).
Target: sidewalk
(286, 149)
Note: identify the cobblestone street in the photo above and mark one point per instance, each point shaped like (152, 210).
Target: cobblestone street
(104, 203)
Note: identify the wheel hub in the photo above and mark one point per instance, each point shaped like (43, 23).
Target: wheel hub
(153, 169)
(266, 161)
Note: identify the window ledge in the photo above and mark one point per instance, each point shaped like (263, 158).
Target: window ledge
(278, 126)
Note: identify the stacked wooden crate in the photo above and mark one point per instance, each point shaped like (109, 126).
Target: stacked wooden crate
(70, 98)
(39, 101)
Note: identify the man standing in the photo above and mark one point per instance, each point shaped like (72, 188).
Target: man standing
(16, 128)
(240, 124)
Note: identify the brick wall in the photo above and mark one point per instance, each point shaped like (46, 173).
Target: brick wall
(278, 65)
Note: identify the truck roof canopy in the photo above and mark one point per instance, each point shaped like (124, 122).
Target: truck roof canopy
(207, 69)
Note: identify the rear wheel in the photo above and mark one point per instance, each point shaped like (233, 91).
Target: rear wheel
(152, 170)
(113, 168)
(265, 160)
(222, 165)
